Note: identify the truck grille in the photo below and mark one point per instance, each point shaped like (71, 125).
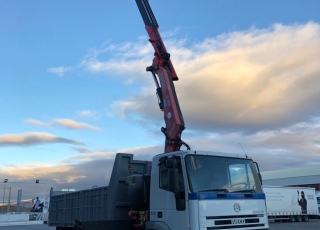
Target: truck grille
(234, 222)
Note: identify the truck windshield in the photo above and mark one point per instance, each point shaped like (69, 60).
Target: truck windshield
(221, 174)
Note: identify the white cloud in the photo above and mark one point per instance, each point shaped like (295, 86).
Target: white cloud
(28, 172)
(36, 122)
(121, 59)
(69, 179)
(71, 124)
(242, 81)
(60, 71)
(89, 114)
(63, 122)
(33, 138)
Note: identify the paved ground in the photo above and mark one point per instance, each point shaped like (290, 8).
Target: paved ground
(28, 227)
(313, 224)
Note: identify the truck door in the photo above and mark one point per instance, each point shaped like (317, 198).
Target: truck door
(167, 197)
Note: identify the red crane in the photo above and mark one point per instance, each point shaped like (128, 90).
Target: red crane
(163, 68)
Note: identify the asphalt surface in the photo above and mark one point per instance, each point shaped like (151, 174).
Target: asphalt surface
(28, 227)
(312, 224)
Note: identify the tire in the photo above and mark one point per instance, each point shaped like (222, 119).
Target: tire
(292, 219)
(305, 218)
(298, 218)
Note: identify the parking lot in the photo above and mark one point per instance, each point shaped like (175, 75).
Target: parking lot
(28, 227)
(313, 224)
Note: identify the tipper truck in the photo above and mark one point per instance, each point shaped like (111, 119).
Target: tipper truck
(293, 204)
(178, 189)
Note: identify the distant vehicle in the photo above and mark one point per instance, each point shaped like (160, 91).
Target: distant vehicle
(294, 204)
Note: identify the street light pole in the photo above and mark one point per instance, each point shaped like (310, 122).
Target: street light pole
(4, 192)
(8, 209)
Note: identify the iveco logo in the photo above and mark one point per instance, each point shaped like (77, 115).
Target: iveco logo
(236, 207)
(238, 221)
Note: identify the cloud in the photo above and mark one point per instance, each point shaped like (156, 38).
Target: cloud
(71, 124)
(69, 179)
(82, 150)
(60, 71)
(120, 59)
(33, 138)
(63, 122)
(36, 122)
(87, 155)
(89, 114)
(247, 81)
(271, 149)
(34, 171)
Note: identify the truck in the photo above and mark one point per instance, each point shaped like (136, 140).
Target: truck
(293, 204)
(177, 189)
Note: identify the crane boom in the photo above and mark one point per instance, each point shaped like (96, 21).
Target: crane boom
(163, 68)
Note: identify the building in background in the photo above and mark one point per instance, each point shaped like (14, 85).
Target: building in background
(295, 177)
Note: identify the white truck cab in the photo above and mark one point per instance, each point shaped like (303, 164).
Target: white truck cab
(205, 190)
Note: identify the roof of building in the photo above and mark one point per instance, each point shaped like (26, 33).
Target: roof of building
(313, 170)
(309, 176)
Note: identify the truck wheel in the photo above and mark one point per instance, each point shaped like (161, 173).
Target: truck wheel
(292, 219)
(298, 218)
(305, 218)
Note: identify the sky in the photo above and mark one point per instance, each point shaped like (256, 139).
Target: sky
(74, 90)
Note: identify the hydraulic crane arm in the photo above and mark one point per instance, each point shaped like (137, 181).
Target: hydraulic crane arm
(163, 68)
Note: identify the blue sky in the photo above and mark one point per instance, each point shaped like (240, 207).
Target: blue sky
(74, 90)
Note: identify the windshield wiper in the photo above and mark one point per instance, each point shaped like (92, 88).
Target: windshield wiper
(245, 190)
(215, 190)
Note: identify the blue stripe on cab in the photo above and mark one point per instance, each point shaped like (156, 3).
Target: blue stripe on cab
(227, 196)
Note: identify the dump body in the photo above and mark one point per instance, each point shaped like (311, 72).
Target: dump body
(290, 203)
(97, 205)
